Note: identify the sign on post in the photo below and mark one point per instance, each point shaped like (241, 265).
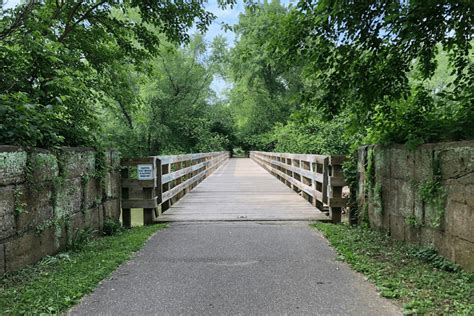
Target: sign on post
(145, 172)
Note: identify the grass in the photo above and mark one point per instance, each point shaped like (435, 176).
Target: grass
(414, 276)
(57, 283)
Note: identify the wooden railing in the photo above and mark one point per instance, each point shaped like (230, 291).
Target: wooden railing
(318, 178)
(155, 183)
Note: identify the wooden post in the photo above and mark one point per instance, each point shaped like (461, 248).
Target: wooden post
(335, 213)
(126, 212)
(148, 216)
(158, 188)
(148, 212)
(165, 204)
(126, 218)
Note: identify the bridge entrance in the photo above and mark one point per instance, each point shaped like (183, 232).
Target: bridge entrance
(212, 187)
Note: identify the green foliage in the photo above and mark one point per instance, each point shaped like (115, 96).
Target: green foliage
(175, 110)
(434, 195)
(57, 283)
(80, 238)
(350, 171)
(377, 198)
(421, 280)
(111, 227)
(430, 255)
(69, 67)
(20, 204)
(326, 77)
(413, 221)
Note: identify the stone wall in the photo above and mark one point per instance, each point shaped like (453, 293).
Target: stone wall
(424, 196)
(47, 197)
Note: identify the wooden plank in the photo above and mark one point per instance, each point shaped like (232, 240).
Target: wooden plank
(142, 203)
(337, 182)
(179, 158)
(238, 191)
(303, 157)
(136, 161)
(172, 192)
(134, 183)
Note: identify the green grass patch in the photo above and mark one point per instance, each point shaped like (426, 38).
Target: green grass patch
(422, 281)
(57, 283)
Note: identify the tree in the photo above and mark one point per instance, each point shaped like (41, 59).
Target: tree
(58, 60)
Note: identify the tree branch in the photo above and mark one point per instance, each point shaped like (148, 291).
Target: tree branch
(70, 27)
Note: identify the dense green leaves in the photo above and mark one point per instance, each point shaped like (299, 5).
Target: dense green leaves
(316, 76)
(106, 73)
(362, 72)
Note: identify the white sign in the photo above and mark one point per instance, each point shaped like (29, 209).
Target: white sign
(145, 172)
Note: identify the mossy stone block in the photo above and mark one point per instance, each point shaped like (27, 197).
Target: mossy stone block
(12, 165)
(7, 211)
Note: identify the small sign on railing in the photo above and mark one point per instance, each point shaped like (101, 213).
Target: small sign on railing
(145, 172)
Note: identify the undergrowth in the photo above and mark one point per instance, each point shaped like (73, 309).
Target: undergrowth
(56, 283)
(418, 278)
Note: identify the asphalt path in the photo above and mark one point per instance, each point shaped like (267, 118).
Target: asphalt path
(247, 268)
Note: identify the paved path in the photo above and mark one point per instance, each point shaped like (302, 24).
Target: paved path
(211, 260)
(244, 268)
(242, 190)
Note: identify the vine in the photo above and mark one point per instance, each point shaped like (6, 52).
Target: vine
(20, 204)
(413, 221)
(377, 199)
(101, 169)
(434, 195)
(349, 168)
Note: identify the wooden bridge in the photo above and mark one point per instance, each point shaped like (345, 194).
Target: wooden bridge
(240, 189)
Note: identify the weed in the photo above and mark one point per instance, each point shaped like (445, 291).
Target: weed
(20, 204)
(56, 283)
(111, 227)
(80, 238)
(418, 278)
(413, 221)
(434, 195)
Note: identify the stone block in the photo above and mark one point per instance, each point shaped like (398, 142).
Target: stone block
(464, 253)
(2, 259)
(397, 227)
(43, 166)
(412, 234)
(7, 211)
(77, 162)
(401, 163)
(382, 160)
(112, 209)
(37, 206)
(68, 198)
(423, 164)
(427, 236)
(459, 220)
(443, 244)
(456, 161)
(12, 165)
(31, 247)
(112, 184)
(92, 193)
(93, 218)
(100, 218)
(76, 223)
(401, 199)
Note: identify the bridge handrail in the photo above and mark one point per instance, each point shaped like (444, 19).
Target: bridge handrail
(165, 180)
(318, 178)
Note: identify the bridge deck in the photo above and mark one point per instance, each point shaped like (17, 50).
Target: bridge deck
(242, 190)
